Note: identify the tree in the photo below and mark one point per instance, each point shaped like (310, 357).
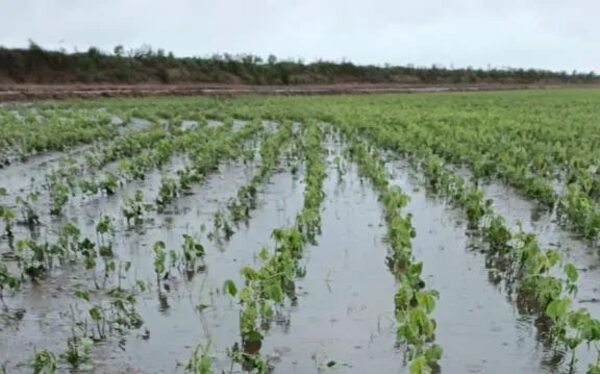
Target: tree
(119, 51)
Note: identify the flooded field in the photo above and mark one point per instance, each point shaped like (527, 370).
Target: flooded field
(290, 235)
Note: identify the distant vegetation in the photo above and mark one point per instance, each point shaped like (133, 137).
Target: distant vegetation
(145, 65)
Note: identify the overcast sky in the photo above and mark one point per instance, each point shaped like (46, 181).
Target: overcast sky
(551, 34)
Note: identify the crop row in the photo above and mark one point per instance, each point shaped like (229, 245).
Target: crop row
(271, 284)
(527, 269)
(414, 303)
(239, 208)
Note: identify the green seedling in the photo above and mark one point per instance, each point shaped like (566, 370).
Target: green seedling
(28, 211)
(44, 362)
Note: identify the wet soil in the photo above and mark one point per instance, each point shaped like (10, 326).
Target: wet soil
(29, 92)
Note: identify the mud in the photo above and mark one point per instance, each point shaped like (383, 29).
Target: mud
(29, 92)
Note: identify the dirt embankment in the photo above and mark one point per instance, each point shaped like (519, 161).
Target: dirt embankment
(27, 92)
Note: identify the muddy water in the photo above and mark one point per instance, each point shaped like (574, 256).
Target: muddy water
(45, 325)
(344, 312)
(47, 321)
(182, 325)
(582, 253)
(29, 175)
(517, 209)
(344, 316)
(345, 301)
(478, 327)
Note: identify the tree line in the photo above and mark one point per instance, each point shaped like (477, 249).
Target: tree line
(146, 65)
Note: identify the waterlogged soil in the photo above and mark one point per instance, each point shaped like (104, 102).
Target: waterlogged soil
(21, 177)
(343, 317)
(478, 325)
(29, 175)
(177, 319)
(174, 316)
(542, 221)
(30, 92)
(583, 253)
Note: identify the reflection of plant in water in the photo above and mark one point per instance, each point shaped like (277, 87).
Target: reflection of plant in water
(497, 235)
(105, 228)
(190, 261)
(339, 167)
(109, 184)
(594, 368)
(160, 256)
(36, 259)
(160, 269)
(249, 361)
(187, 177)
(89, 187)
(200, 361)
(476, 207)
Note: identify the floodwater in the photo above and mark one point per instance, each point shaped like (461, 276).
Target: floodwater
(516, 210)
(584, 254)
(342, 319)
(344, 312)
(479, 329)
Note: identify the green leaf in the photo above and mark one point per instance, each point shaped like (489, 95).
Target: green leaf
(105, 251)
(434, 354)
(200, 307)
(253, 336)
(199, 250)
(264, 254)
(571, 272)
(419, 366)
(249, 273)
(96, 313)
(557, 308)
(141, 284)
(83, 295)
(230, 288)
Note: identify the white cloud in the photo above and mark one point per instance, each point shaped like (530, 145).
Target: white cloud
(553, 34)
